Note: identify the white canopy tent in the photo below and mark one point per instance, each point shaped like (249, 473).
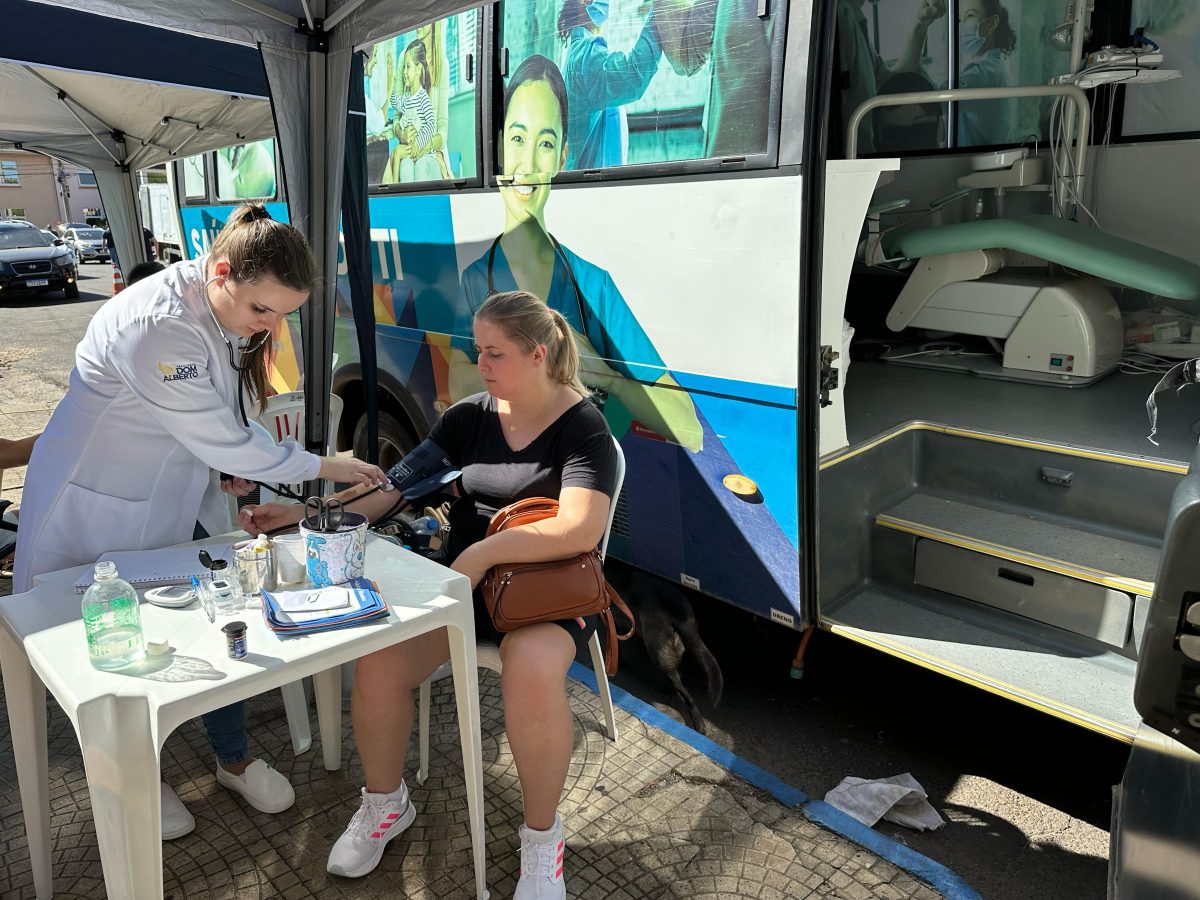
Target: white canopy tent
(115, 120)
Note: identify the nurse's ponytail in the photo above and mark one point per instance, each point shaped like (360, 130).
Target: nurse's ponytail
(528, 322)
(257, 246)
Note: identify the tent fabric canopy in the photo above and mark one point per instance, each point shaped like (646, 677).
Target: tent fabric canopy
(120, 101)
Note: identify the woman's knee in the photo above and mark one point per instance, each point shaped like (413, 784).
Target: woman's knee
(536, 656)
(403, 666)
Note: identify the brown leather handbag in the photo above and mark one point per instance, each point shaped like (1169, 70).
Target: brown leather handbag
(520, 594)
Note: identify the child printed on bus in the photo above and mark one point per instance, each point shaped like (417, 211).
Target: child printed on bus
(414, 120)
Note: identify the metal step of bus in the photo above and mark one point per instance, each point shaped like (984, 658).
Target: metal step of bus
(1030, 540)
(993, 650)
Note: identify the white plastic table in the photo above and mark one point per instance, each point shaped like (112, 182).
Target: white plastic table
(122, 718)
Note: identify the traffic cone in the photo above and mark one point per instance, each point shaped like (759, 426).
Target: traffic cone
(118, 281)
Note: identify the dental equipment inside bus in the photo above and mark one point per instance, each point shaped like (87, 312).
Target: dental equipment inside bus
(1033, 287)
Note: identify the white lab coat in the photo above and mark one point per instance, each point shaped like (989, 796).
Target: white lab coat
(151, 410)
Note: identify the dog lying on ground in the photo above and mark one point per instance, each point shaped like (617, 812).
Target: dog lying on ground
(666, 624)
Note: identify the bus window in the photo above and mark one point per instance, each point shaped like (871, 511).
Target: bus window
(421, 104)
(682, 80)
(907, 45)
(195, 181)
(246, 172)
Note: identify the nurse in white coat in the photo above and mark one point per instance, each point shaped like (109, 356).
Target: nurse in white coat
(154, 406)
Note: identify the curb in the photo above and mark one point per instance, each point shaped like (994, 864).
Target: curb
(946, 882)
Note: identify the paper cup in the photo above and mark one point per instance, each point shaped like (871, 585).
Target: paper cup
(291, 559)
(335, 557)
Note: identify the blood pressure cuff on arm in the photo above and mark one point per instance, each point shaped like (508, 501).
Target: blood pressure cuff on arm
(423, 471)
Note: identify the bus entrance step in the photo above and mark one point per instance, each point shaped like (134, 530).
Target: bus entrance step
(1027, 540)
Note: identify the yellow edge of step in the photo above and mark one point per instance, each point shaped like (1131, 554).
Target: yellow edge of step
(1003, 689)
(1012, 554)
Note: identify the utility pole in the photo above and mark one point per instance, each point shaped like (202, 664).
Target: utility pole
(63, 178)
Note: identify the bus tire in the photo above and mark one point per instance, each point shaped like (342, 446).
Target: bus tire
(395, 440)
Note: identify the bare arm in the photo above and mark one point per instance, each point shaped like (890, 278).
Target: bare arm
(910, 59)
(578, 527)
(271, 516)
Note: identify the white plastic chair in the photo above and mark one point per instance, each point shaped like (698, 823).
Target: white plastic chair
(283, 417)
(488, 654)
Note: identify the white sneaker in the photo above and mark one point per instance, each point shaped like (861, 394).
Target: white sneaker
(380, 818)
(176, 820)
(264, 788)
(542, 863)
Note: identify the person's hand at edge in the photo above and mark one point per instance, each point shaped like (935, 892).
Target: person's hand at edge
(256, 520)
(348, 470)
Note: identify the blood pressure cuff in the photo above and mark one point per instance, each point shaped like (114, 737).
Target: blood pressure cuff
(423, 471)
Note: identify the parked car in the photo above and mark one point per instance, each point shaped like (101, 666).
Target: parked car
(88, 244)
(30, 262)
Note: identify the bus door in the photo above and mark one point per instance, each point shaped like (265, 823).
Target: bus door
(1156, 831)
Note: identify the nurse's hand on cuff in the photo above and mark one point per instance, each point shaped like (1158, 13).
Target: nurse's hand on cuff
(348, 470)
(267, 517)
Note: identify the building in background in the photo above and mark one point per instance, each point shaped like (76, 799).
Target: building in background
(45, 191)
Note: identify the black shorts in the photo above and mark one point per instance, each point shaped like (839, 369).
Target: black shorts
(580, 630)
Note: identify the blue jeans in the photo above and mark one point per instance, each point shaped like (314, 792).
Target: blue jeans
(226, 726)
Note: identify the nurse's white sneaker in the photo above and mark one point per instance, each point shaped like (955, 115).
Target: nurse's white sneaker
(379, 819)
(176, 820)
(542, 863)
(264, 788)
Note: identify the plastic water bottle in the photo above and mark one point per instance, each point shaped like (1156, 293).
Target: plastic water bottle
(426, 526)
(112, 621)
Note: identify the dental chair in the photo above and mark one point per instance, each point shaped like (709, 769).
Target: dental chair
(1066, 329)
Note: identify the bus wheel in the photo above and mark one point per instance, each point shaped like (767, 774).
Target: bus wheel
(395, 440)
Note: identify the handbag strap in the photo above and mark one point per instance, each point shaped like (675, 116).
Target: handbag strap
(611, 649)
(523, 512)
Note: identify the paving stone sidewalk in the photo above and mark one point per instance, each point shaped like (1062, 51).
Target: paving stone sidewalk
(648, 817)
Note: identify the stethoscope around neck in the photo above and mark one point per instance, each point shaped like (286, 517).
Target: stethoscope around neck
(584, 311)
(240, 369)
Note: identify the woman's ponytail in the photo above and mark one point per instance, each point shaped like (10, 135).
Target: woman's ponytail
(529, 322)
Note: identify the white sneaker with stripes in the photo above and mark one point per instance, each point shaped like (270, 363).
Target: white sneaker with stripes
(542, 863)
(379, 819)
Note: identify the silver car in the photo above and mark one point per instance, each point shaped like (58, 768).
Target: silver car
(88, 244)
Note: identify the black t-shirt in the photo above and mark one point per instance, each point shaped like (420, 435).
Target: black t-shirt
(575, 450)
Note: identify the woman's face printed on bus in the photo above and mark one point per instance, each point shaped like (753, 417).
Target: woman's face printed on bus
(972, 14)
(506, 369)
(249, 307)
(535, 148)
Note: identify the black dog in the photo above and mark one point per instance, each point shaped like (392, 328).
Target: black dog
(666, 624)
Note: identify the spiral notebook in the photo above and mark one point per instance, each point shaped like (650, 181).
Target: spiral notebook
(151, 568)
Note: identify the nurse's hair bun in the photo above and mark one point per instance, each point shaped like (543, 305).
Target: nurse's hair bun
(249, 212)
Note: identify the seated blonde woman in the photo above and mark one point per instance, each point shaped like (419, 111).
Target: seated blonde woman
(532, 433)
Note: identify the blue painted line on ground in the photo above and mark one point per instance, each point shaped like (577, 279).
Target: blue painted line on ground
(942, 879)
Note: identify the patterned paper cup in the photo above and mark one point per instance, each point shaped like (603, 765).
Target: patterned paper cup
(335, 557)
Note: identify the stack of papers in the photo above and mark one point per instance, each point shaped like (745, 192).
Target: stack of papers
(311, 609)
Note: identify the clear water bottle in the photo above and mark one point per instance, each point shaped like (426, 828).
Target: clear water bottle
(112, 621)
(426, 526)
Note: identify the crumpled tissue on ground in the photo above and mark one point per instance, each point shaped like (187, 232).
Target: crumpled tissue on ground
(899, 799)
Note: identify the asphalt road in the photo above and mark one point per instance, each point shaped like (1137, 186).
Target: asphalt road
(1027, 798)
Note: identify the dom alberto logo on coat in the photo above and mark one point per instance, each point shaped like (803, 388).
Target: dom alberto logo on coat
(179, 371)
